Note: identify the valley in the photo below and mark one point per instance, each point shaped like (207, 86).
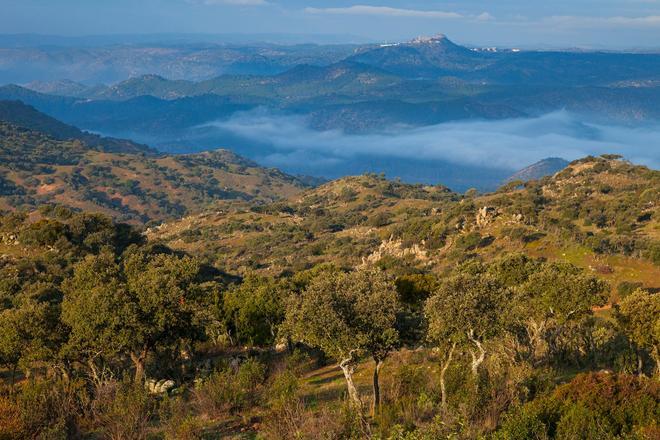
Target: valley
(329, 229)
(350, 93)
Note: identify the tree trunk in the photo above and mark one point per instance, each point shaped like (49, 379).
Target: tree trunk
(13, 377)
(476, 360)
(443, 371)
(640, 363)
(376, 386)
(655, 354)
(348, 368)
(138, 361)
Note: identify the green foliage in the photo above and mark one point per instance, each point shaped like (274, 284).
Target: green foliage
(654, 253)
(146, 302)
(625, 288)
(639, 317)
(28, 333)
(466, 304)
(227, 390)
(592, 406)
(344, 313)
(254, 309)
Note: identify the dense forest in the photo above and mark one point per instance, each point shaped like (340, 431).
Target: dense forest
(364, 308)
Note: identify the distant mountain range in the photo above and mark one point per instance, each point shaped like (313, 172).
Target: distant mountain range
(107, 62)
(175, 96)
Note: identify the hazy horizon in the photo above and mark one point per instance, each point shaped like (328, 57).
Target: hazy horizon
(587, 23)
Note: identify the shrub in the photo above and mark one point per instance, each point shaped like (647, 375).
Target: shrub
(177, 421)
(10, 421)
(43, 233)
(124, 411)
(51, 409)
(592, 406)
(625, 288)
(469, 241)
(654, 253)
(288, 413)
(299, 362)
(225, 391)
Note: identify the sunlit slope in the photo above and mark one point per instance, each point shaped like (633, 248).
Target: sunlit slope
(599, 213)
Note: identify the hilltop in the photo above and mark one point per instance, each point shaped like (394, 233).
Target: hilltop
(540, 169)
(600, 213)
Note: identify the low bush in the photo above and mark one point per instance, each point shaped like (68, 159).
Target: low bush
(124, 411)
(228, 391)
(592, 406)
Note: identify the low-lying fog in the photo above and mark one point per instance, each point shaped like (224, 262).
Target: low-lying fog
(459, 154)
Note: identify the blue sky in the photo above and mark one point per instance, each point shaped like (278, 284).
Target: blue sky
(557, 23)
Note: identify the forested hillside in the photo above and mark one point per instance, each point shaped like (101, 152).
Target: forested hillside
(136, 185)
(361, 308)
(364, 308)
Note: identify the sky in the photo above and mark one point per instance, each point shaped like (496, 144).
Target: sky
(612, 24)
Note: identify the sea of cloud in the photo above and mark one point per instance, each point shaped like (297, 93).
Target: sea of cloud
(508, 144)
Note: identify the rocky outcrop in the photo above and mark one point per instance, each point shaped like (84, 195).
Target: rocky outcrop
(9, 239)
(395, 248)
(486, 215)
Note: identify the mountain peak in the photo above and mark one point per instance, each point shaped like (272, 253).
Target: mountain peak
(434, 39)
(542, 168)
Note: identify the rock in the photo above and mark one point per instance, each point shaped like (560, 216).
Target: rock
(162, 386)
(486, 215)
(395, 248)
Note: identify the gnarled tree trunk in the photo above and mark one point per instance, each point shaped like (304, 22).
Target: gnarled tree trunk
(477, 360)
(348, 368)
(139, 361)
(375, 408)
(443, 371)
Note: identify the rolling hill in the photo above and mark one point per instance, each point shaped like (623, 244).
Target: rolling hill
(599, 213)
(26, 116)
(38, 169)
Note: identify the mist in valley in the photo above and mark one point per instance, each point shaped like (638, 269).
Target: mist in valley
(461, 154)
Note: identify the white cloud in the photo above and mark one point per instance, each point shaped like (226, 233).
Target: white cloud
(619, 21)
(504, 144)
(485, 16)
(383, 11)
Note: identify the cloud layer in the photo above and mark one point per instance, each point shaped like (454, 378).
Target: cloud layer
(384, 11)
(499, 145)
